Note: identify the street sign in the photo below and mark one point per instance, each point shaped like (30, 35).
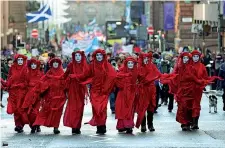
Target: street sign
(34, 33)
(19, 42)
(150, 30)
(154, 38)
(196, 28)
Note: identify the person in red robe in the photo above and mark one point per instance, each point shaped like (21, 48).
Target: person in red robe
(148, 73)
(30, 104)
(201, 73)
(16, 84)
(52, 90)
(124, 106)
(184, 86)
(101, 76)
(76, 92)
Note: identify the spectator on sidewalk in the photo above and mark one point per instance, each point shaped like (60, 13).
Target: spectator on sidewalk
(222, 83)
(4, 74)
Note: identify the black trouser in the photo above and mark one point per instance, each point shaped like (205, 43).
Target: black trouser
(224, 95)
(157, 96)
(166, 95)
(171, 100)
(1, 94)
(112, 99)
(149, 119)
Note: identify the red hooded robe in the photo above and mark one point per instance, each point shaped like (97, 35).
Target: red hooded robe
(146, 88)
(183, 86)
(76, 92)
(30, 104)
(52, 89)
(201, 73)
(17, 89)
(124, 106)
(101, 76)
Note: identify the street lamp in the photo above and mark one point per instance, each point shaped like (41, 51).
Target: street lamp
(219, 27)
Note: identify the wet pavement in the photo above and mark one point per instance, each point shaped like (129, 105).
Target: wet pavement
(168, 132)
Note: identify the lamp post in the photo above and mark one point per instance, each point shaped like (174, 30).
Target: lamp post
(219, 27)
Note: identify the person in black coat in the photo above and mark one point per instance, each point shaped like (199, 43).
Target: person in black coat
(222, 82)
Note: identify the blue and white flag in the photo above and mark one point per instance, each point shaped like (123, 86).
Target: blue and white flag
(94, 45)
(92, 22)
(52, 32)
(128, 4)
(43, 14)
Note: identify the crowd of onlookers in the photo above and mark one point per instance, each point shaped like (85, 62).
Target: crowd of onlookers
(164, 61)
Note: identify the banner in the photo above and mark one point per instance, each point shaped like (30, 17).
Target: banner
(223, 8)
(85, 45)
(143, 20)
(127, 13)
(169, 13)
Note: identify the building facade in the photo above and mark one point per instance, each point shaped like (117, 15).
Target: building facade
(184, 33)
(13, 20)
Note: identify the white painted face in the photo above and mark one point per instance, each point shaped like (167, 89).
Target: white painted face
(99, 57)
(185, 59)
(20, 61)
(130, 64)
(145, 60)
(78, 57)
(55, 65)
(195, 58)
(33, 66)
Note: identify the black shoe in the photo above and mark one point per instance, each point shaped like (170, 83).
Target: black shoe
(56, 131)
(33, 129)
(185, 127)
(151, 128)
(18, 129)
(143, 129)
(169, 111)
(155, 112)
(76, 131)
(101, 129)
(121, 130)
(194, 125)
(2, 106)
(38, 129)
(129, 130)
(113, 112)
(98, 130)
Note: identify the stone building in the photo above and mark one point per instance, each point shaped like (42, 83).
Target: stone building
(13, 20)
(186, 36)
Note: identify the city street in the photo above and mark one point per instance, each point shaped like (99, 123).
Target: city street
(168, 132)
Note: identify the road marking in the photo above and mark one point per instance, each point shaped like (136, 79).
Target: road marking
(103, 139)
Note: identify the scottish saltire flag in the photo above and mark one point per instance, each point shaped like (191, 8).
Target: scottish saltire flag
(43, 14)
